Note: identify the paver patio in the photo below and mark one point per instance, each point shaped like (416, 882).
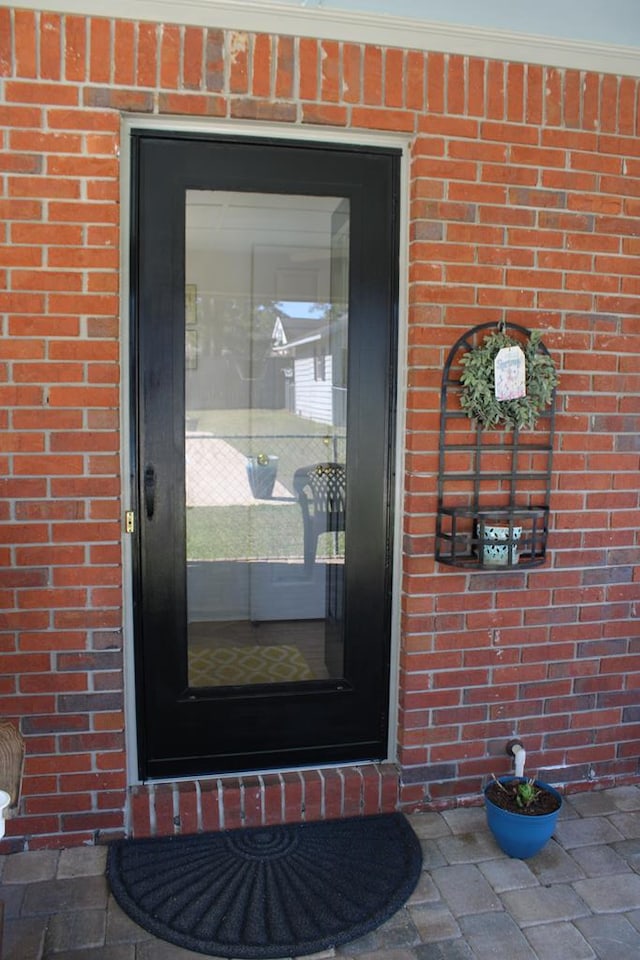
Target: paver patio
(578, 899)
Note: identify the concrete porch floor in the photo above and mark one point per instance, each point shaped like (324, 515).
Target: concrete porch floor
(578, 899)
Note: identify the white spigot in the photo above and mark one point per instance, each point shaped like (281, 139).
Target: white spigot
(5, 800)
(519, 754)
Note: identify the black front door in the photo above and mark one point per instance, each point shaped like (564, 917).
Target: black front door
(264, 298)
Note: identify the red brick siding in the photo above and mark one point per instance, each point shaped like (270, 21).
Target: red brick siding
(524, 203)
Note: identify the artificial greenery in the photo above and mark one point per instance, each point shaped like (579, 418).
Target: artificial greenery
(478, 396)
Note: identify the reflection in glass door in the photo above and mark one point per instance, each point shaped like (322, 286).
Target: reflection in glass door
(266, 334)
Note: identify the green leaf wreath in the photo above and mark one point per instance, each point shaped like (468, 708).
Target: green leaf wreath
(478, 396)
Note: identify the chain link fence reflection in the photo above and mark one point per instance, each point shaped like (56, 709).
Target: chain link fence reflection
(240, 497)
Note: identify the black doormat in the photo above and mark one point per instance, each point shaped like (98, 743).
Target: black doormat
(279, 891)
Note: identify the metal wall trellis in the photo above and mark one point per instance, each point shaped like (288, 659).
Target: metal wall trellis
(493, 485)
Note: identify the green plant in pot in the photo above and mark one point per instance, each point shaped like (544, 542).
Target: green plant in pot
(478, 393)
(521, 814)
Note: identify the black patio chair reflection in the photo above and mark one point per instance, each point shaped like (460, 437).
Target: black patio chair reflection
(320, 489)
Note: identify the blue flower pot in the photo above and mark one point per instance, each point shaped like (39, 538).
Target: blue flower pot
(521, 835)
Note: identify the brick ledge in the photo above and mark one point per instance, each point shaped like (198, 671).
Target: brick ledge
(222, 803)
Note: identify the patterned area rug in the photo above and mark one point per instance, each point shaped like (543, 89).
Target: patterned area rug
(281, 891)
(228, 666)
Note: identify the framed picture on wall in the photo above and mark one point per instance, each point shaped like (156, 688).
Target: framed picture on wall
(191, 304)
(191, 350)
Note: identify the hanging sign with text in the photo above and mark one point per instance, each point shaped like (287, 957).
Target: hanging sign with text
(509, 370)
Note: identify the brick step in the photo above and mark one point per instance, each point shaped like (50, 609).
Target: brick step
(223, 803)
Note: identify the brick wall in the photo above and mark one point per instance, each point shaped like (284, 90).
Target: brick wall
(524, 202)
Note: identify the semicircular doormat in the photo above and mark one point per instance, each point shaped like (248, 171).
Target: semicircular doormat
(277, 891)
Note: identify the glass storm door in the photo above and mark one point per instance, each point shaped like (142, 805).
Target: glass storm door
(264, 305)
